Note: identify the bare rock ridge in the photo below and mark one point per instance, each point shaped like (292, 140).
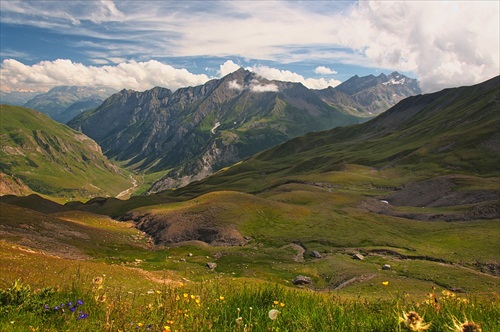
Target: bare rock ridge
(195, 131)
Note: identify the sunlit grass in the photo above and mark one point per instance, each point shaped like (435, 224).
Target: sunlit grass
(89, 304)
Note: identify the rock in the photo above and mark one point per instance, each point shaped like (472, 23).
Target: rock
(386, 267)
(190, 254)
(211, 266)
(182, 260)
(302, 280)
(358, 257)
(316, 254)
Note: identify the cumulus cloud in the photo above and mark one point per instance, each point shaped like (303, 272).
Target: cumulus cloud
(322, 70)
(131, 75)
(228, 67)
(446, 43)
(289, 76)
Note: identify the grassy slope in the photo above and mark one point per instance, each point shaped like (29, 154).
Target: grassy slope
(311, 191)
(54, 160)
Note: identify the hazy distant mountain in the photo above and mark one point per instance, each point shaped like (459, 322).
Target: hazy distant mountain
(368, 96)
(41, 155)
(63, 103)
(16, 98)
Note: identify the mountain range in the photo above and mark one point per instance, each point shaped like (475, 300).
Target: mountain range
(62, 103)
(195, 131)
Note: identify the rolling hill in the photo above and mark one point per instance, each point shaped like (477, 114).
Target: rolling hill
(40, 155)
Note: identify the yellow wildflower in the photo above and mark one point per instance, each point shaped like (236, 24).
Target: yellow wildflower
(413, 322)
(221, 298)
(276, 302)
(385, 283)
(139, 324)
(166, 328)
(282, 304)
(186, 295)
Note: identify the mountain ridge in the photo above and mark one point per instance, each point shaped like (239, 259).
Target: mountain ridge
(209, 127)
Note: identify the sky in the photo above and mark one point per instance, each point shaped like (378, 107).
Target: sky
(141, 44)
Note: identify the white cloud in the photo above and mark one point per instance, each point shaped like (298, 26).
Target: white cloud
(264, 88)
(445, 43)
(322, 70)
(131, 75)
(288, 76)
(235, 85)
(228, 67)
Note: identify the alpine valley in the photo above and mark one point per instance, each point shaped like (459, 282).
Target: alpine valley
(193, 132)
(265, 188)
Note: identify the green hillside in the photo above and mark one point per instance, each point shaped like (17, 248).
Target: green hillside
(54, 160)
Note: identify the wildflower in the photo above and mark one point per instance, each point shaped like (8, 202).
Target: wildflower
(282, 304)
(192, 297)
(46, 307)
(239, 320)
(413, 322)
(221, 298)
(139, 324)
(273, 314)
(171, 322)
(198, 301)
(82, 315)
(56, 308)
(467, 326)
(79, 302)
(385, 283)
(158, 292)
(186, 295)
(166, 328)
(276, 302)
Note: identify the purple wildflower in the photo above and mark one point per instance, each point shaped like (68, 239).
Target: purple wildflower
(79, 302)
(56, 308)
(82, 315)
(46, 307)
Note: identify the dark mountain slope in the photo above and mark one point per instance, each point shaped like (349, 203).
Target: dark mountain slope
(453, 133)
(195, 131)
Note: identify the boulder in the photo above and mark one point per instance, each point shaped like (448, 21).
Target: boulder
(302, 280)
(358, 257)
(316, 254)
(211, 266)
(386, 267)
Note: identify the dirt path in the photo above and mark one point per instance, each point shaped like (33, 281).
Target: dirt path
(299, 257)
(126, 193)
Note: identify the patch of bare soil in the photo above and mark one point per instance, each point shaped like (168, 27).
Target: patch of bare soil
(438, 192)
(181, 226)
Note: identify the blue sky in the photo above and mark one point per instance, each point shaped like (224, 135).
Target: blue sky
(141, 44)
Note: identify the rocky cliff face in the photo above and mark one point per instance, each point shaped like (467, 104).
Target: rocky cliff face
(196, 131)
